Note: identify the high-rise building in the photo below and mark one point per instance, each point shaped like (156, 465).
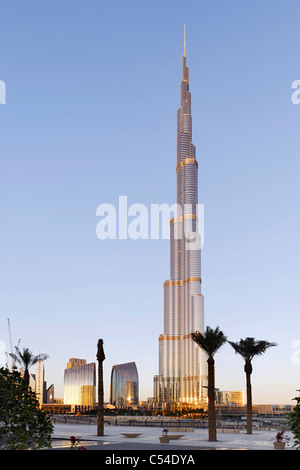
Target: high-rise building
(50, 394)
(80, 384)
(182, 374)
(39, 382)
(124, 385)
(39, 385)
(229, 397)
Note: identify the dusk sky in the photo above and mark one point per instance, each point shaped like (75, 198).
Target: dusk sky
(92, 92)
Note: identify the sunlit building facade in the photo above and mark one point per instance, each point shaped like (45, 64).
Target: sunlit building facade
(230, 397)
(80, 384)
(182, 377)
(124, 385)
(50, 394)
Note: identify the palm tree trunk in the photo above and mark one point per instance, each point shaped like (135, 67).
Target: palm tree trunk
(26, 377)
(212, 430)
(248, 370)
(100, 421)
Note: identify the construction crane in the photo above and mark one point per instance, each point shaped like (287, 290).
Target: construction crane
(13, 364)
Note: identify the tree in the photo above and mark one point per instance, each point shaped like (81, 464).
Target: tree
(22, 424)
(249, 348)
(294, 420)
(100, 418)
(26, 359)
(210, 341)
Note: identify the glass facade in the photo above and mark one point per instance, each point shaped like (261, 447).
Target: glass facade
(124, 386)
(80, 385)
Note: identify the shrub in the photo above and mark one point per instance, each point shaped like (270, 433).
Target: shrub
(22, 424)
(294, 420)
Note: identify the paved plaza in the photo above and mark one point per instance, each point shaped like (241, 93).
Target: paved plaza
(148, 439)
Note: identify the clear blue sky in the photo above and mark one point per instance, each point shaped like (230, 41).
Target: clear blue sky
(92, 90)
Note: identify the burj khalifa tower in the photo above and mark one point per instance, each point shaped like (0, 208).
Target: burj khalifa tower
(182, 377)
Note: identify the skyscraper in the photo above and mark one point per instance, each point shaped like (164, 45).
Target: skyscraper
(124, 386)
(80, 384)
(39, 382)
(39, 385)
(182, 374)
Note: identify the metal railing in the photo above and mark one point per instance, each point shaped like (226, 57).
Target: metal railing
(165, 422)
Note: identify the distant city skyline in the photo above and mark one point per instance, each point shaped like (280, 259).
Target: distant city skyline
(91, 96)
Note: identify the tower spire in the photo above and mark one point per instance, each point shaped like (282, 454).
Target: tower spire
(185, 69)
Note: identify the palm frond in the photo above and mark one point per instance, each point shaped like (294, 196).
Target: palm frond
(210, 341)
(248, 348)
(26, 358)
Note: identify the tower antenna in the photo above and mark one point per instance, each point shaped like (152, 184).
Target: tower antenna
(184, 43)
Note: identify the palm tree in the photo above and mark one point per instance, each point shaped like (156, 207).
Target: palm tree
(210, 341)
(100, 417)
(26, 359)
(249, 348)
